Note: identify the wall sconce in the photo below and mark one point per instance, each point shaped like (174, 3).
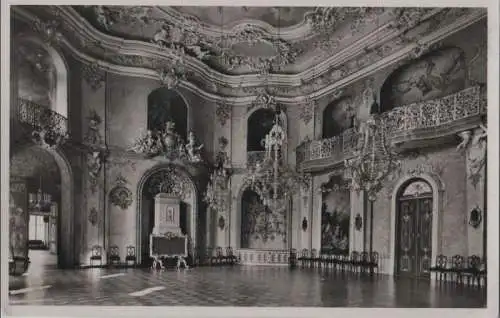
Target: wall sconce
(304, 224)
(475, 217)
(222, 223)
(358, 222)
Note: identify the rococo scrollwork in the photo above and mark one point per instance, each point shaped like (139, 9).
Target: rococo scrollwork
(120, 195)
(170, 181)
(170, 144)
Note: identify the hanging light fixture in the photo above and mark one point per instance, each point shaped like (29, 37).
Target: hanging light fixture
(375, 161)
(273, 180)
(40, 201)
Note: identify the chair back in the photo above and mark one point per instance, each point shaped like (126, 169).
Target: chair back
(218, 251)
(96, 251)
(458, 262)
(229, 251)
(374, 258)
(314, 253)
(131, 250)
(474, 262)
(305, 252)
(354, 256)
(113, 250)
(365, 257)
(441, 261)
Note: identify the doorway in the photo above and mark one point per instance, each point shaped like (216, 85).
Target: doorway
(414, 229)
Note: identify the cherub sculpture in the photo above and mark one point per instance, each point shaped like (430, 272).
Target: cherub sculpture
(193, 150)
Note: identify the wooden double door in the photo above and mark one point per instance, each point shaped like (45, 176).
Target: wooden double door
(414, 236)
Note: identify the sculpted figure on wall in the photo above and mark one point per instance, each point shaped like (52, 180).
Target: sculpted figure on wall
(193, 149)
(170, 144)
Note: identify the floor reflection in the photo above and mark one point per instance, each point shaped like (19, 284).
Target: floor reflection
(237, 286)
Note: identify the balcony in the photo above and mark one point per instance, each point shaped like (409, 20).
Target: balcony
(411, 126)
(43, 125)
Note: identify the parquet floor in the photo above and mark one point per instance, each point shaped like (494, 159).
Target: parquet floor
(236, 286)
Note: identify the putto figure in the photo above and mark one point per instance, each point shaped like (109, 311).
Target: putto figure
(193, 149)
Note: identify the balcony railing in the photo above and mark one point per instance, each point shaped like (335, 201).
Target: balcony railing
(400, 121)
(43, 122)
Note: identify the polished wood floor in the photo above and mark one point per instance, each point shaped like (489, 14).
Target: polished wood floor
(236, 286)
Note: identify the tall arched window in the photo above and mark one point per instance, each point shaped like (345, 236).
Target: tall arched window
(41, 75)
(259, 125)
(167, 105)
(337, 117)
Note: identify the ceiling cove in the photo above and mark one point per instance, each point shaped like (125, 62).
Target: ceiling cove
(172, 61)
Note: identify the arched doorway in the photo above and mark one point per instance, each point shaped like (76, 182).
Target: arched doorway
(49, 239)
(176, 182)
(414, 227)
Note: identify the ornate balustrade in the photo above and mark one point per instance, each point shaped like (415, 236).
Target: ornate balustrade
(247, 256)
(45, 125)
(403, 124)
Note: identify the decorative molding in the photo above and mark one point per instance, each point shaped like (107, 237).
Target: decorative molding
(307, 109)
(223, 112)
(93, 75)
(127, 48)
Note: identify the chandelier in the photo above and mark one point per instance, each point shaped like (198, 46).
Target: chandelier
(271, 178)
(369, 168)
(40, 201)
(374, 162)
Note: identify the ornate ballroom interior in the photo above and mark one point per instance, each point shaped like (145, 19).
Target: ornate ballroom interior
(294, 139)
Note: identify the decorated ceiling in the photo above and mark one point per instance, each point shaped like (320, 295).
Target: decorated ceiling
(245, 51)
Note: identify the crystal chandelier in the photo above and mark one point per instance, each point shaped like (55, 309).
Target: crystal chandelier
(271, 178)
(369, 168)
(40, 201)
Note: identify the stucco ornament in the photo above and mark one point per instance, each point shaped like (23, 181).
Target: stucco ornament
(223, 112)
(307, 109)
(474, 145)
(48, 30)
(93, 216)
(169, 144)
(263, 100)
(170, 181)
(120, 195)
(171, 77)
(93, 75)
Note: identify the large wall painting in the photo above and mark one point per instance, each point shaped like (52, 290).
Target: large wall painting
(435, 75)
(335, 220)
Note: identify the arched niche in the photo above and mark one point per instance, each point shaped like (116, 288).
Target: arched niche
(337, 117)
(176, 181)
(436, 74)
(259, 123)
(167, 105)
(41, 74)
(50, 170)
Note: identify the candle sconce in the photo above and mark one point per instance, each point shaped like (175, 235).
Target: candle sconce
(475, 217)
(358, 222)
(304, 224)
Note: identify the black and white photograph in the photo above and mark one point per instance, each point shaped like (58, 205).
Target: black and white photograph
(176, 155)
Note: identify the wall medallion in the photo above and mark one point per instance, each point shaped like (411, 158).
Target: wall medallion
(120, 195)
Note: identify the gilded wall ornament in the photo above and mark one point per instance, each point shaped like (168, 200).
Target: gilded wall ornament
(169, 181)
(121, 197)
(93, 216)
(48, 30)
(223, 112)
(307, 110)
(93, 75)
